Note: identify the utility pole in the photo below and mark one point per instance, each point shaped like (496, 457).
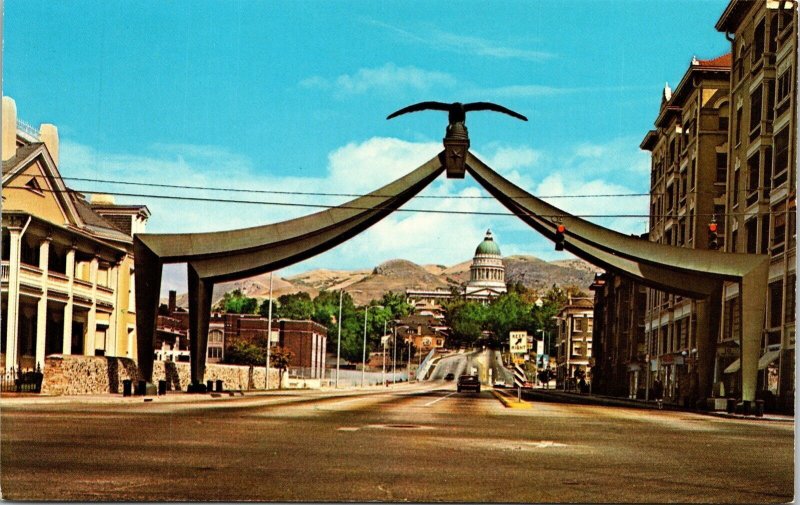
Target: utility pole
(269, 333)
(339, 338)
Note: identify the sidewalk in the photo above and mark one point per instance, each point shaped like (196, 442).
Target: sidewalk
(593, 399)
(22, 399)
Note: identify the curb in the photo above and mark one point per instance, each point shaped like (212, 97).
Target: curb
(509, 402)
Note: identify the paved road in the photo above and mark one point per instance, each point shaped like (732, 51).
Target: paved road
(418, 442)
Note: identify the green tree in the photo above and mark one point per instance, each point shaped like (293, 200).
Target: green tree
(236, 302)
(509, 312)
(296, 306)
(246, 353)
(280, 358)
(466, 320)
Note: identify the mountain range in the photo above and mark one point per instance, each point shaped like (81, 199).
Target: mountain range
(398, 275)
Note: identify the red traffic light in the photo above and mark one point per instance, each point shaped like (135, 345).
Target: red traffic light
(561, 228)
(712, 227)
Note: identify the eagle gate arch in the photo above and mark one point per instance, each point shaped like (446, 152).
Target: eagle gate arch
(237, 254)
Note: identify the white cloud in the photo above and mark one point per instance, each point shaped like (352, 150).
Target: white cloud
(466, 44)
(388, 78)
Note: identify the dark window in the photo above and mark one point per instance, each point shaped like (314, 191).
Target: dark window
(790, 297)
(723, 123)
(753, 174)
(764, 234)
(775, 304)
(735, 194)
(781, 158)
(751, 229)
(758, 42)
(784, 89)
(755, 113)
(722, 167)
(779, 228)
(738, 126)
(770, 100)
(734, 240)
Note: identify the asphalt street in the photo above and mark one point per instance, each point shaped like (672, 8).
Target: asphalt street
(417, 442)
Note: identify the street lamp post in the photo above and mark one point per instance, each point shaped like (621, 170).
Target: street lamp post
(394, 359)
(339, 338)
(364, 352)
(383, 341)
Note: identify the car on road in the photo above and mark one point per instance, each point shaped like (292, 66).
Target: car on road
(449, 377)
(469, 383)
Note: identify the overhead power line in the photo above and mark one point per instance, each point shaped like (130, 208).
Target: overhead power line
(353, 207)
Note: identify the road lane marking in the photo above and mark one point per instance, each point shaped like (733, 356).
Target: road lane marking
(439, 399)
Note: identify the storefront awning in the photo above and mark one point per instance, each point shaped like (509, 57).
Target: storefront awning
(767, 358)
(733, 367)
(764, 361)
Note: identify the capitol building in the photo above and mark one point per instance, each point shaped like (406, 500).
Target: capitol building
(487, 279)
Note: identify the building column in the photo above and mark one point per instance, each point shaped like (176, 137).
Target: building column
(12, 322)
(66, 347)
(41, 315)
(113, 326)
(91, 320)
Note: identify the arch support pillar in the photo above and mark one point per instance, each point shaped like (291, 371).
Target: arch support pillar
(148, 268)
(200, 291)
(752, 289)
(708, 319)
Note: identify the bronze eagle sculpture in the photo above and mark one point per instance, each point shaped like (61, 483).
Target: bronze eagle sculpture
(457, 111)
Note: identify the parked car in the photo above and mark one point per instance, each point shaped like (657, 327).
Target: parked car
(469, 383)
(449, 377)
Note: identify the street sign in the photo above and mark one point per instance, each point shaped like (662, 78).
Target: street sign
(518, 342)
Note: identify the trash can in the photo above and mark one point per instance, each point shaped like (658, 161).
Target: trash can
(209, 386)
(746, 408)
(219, 386)
(759, 408)
(126, 387)
(731, 406)
(162, 388)
(142, 389)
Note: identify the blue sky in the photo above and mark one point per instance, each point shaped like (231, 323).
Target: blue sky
(293, 95)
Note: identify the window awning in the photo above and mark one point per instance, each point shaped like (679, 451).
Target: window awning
(767, 358)
(763, 362)
(733, 367)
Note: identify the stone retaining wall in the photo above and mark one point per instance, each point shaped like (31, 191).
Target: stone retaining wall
(84, 375)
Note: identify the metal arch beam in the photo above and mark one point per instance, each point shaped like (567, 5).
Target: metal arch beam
(695, 273)
(237, 254)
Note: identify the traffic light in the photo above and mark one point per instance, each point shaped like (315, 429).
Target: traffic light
(560, 229)
(713, 240)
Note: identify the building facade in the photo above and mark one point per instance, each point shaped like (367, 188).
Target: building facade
(724, 153)
(761, 183)
(619, 344)
(574, 341)
(687, 193)
(67, 263)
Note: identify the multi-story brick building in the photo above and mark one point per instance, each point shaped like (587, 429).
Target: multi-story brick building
(618, 336)
(67, 263)
(687, 193)
(306, 339)
(742, 152)
(574, 340)
(761, 182)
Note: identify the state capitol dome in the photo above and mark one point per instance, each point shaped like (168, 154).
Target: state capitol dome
(487, 274)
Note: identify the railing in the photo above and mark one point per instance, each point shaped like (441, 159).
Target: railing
(27, 129)
(4, 271)
(22, 381)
